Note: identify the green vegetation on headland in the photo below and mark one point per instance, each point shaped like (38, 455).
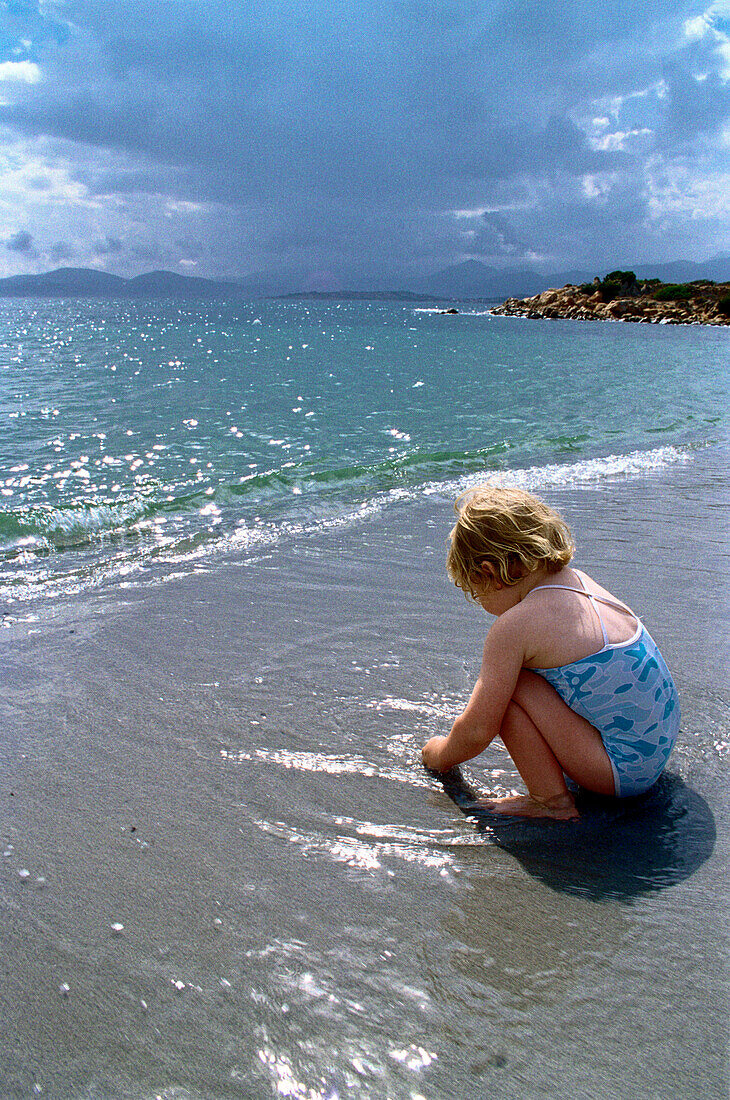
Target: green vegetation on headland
(620, 296)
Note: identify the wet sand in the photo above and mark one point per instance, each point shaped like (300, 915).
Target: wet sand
(227, 765)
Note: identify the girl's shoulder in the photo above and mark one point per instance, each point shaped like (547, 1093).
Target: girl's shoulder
(570, 618)
(562, 586)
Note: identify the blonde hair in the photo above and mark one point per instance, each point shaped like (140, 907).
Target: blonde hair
(509, 529)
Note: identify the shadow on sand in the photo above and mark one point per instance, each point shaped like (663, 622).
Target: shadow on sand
(618, 849)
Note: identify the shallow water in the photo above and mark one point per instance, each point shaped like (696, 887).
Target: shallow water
(142, 437)
(227, 764)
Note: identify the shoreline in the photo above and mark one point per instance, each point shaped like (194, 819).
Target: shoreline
(101, 578)
(591, 303)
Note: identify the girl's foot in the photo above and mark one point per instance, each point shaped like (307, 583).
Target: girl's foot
(560, 807)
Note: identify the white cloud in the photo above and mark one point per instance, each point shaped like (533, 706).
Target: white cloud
(180, 206)
(706, 25)
(673, 191)
(597, 187)
(20, 72)
(696, 28)
(477, 212)
(700, 25)
(723, 51)
(616, 142)
(480, 211)
(19, 175)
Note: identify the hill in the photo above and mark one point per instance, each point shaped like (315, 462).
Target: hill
(471, 279)
(620, 296)
(85, 282)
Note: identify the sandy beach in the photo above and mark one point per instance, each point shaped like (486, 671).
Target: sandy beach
(225, 873)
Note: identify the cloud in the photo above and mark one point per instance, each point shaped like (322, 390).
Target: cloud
(60, 252)
(22, 242)
(713, 24)
(109, 246)
(334, 136)
(23, 72)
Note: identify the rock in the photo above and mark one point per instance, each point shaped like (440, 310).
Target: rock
(638, 304)
(617, 308)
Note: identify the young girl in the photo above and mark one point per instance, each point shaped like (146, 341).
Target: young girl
(570, 679)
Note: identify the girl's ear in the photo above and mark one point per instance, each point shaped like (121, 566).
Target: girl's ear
(490, 575)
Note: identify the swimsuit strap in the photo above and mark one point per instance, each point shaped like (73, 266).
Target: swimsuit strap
(592, 597)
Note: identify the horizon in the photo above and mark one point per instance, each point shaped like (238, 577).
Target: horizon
(328, 147)
(429, 285)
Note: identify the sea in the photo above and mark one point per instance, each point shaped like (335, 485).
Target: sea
(139, 436)
(226, 632)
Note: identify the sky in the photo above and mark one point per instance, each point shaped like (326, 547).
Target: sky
(346, 144)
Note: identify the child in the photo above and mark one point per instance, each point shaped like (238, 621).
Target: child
(570, 679)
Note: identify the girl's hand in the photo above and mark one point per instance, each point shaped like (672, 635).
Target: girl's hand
(431, 753)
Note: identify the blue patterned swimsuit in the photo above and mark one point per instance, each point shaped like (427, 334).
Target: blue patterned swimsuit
(626, 691)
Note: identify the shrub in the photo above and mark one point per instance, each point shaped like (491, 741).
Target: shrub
(619, 284)
(674, 292)
(627, 277)
(723, 305)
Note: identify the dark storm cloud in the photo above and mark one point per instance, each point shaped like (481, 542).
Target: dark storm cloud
(333, 130)
(20, 242)
(695, 107)
(60, 252)
(115, 181)
(109, 246)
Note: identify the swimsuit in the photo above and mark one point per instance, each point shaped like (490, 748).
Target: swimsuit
(626, 691)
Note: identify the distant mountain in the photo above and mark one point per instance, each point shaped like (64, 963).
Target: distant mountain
(685, 271)
(79, 282)
(361, 296)
(574, 277)
(164, 284)
(66, 280)
(261, 285)
(471, 279)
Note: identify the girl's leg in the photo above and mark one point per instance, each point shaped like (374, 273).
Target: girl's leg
(545, 739)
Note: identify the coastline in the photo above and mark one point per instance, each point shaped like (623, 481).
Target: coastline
(227, 766)
(588, 303)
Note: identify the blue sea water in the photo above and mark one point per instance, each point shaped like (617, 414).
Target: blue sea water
(134, 436)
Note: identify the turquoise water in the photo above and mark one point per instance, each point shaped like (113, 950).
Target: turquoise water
(134, 435)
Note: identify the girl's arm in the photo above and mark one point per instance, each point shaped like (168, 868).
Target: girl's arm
(480, 722)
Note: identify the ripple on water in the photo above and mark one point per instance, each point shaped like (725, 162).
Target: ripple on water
(303, 984)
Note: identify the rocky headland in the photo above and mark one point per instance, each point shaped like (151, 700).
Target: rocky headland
(620, 296)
